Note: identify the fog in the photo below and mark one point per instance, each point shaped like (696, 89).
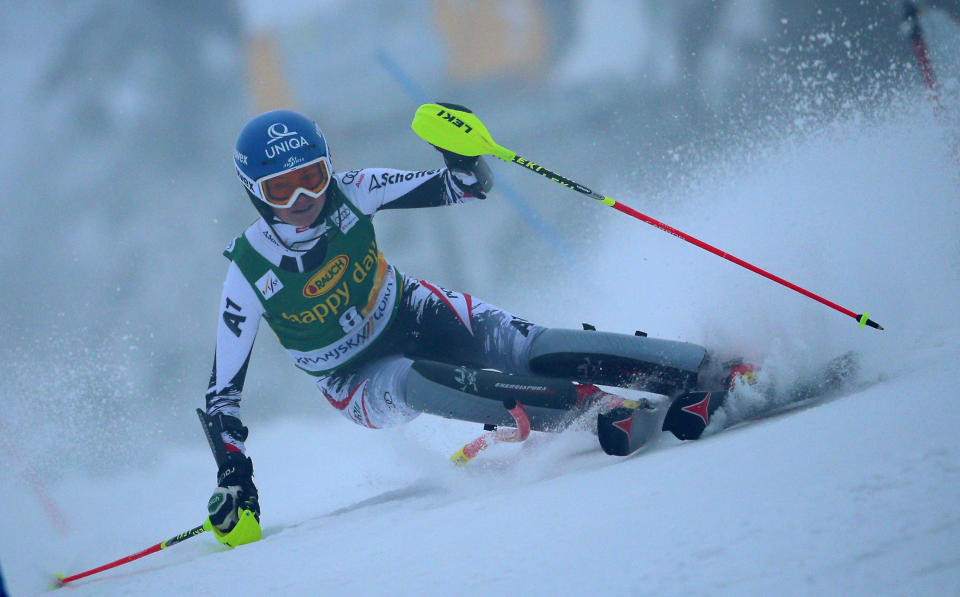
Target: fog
(120, 119)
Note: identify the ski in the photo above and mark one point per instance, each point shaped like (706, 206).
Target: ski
(625, 430)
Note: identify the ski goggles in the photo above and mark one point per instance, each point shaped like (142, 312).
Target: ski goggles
(282, 189)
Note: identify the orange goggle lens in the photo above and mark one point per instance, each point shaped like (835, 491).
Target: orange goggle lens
(283, 188)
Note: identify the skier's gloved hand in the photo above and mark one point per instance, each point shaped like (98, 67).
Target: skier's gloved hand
(470, 173)
(234, 507)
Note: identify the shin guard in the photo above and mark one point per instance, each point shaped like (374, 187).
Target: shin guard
(636, 362)
(479, 395)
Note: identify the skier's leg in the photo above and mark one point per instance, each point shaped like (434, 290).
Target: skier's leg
(532, 362)
(637, 362)
(483, 395)
(440, 325)
(457, 328)
(392, 390)
(372, 393)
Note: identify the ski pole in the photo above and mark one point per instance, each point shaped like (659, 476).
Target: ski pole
(35, 484)
(62, 580)
(911, 19)
(464, 133)
(521, 433)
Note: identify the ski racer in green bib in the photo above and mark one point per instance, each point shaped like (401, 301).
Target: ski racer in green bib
(310, 267)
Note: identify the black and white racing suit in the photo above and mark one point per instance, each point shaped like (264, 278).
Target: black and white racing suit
(430, 322)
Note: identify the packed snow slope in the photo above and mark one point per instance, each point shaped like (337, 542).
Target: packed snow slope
(854, 497)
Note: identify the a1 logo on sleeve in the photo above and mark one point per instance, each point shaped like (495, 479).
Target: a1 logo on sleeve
(345, 219)
(269, 285)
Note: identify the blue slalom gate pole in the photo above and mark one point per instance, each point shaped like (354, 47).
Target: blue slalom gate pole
(418, 94)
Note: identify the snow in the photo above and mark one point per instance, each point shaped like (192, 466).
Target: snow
(854, 497)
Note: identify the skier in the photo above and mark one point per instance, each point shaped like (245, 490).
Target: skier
(383, 346)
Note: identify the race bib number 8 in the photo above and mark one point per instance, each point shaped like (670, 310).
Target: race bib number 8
(350, 319)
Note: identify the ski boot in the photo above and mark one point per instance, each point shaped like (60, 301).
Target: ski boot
(623, 425)
(690, 412)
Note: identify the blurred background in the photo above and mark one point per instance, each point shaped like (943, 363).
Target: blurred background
(119, 120)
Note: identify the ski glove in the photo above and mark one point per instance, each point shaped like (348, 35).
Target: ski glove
(470, 173)
(234, 507)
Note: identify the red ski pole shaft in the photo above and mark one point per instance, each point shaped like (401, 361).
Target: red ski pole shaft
(35, 484)
(152, 549)
(862, 318)
(708, 247)
(911, 15)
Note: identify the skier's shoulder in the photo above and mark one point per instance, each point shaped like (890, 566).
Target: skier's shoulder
(256, 237)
